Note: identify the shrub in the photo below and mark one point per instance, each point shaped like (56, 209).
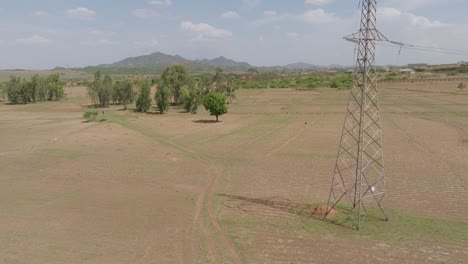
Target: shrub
(90, 115)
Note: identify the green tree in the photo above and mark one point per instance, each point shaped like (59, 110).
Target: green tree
(116, 93)
(22, 91)
(192, 97)
(42, 89)
(2, 91)
(100, 90)
(215, 103)
(17, 91)
(94, 87)
(175, 78)
(105, 91)
(162, 99)
(143, 103)
(55, 87)
(126, 93)
(34, 87)
(230, 90)
(205, 82)
(219, 81)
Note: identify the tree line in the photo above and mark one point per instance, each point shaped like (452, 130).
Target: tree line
(175, 87)
(36, 89)
(294, 80)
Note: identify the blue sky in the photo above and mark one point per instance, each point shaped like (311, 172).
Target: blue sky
(48, 33)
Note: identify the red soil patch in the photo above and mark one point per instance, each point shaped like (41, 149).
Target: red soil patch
(321, 211)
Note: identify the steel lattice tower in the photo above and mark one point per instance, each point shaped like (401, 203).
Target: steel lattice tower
(359, 179)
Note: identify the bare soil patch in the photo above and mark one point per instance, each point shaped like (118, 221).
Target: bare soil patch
(175, 188)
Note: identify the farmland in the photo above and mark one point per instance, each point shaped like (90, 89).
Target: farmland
(179, 188)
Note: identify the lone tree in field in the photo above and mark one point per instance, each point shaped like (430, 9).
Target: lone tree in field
(461, 86)
(143, 103)
(162, 99)
(215, 103)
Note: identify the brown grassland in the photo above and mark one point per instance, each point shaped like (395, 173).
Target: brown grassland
(177, 188)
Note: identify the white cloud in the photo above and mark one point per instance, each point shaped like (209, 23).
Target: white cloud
(423, 22)
(393, 15)
(145, 13)
(292, 34)
(388, 13)
(146, 44)
(411, 4)
(160, 2)
(317, 16)
(318, 2)
(40, 13)
(270, 13)
(203, 31)
(34, 40)
(230, 15)
(81, 13)
(313, 16)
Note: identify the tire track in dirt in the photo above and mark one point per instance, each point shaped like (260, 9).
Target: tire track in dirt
(295, 137)
(451, 175)
(461, 128)
(232, 132)
(195, 131)
(421, 146)
(205, 198)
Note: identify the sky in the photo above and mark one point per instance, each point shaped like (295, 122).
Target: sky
(43, 34)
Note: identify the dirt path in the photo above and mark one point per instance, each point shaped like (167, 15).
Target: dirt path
(205, 200)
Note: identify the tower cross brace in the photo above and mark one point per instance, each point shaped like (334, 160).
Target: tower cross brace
(359, 178)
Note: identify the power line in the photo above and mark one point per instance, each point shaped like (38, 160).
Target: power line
(400, 45)
(428, 49)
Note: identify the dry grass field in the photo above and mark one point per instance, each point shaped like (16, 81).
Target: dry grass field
(64, 74)
(177, 188)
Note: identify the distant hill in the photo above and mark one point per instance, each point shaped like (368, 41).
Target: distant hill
(157, 62)
(154, 60)
(301, 65)
(224, 62)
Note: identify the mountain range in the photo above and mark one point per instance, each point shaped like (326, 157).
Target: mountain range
(157, 62)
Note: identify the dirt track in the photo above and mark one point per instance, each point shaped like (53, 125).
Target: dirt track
(178, 189)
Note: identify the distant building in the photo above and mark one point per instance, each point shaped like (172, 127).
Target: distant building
(407, 71)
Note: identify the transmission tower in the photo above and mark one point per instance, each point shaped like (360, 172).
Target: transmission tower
(359, 179)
